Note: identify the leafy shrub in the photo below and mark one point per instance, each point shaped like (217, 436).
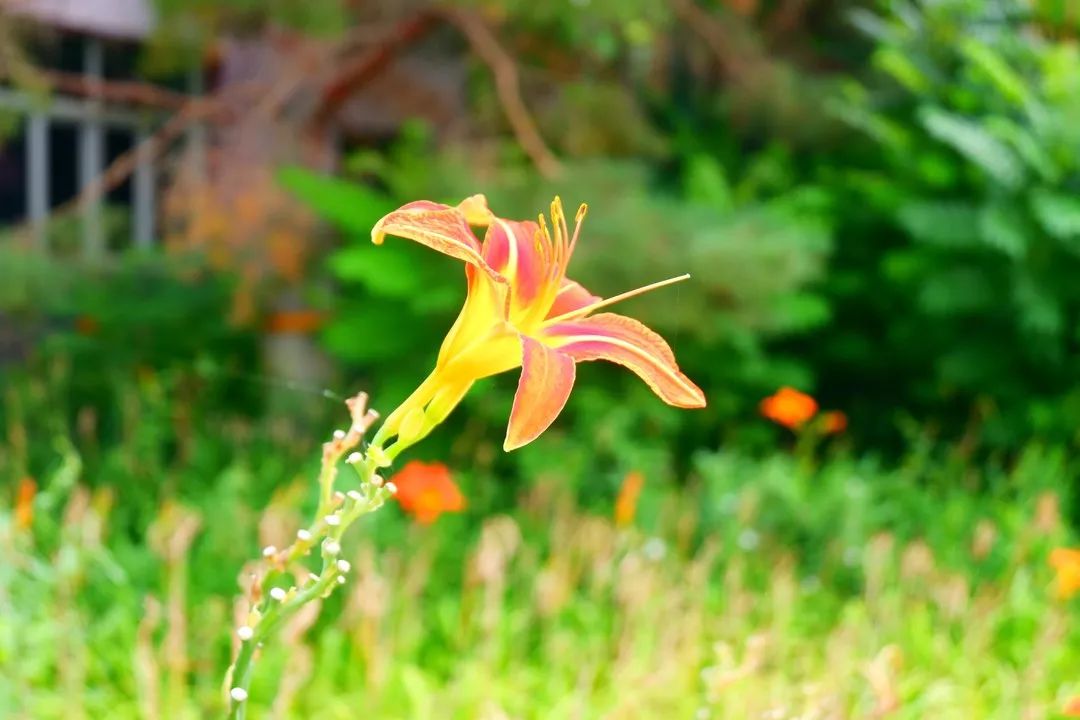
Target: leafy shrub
(959, 225)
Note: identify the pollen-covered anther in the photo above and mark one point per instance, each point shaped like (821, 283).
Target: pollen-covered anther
(391, 488)
(339, 435)
(354, 458)
(269, 551)
(341, 579)
(333, 520)
(277, 594)
(244, 632)
(344, 566)
(238, 694)
(331, 547)
(377, 480)
(355, 495)
(303, 535)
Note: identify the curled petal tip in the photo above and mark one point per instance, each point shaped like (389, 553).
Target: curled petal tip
(476, 211)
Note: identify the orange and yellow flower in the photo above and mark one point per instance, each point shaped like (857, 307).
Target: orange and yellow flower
(789, 407)
(520, 311)
(627, 501)
(427, 490)
(1066, 564)
(24, 503)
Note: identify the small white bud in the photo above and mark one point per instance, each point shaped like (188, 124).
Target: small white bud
(354, 458)
(331, 547)
(238, 694)
(303, 535)
(340, 579)
(391, 488)
(333, 520)
(244, 632)
(277, 593)
(269, 551)
(338, 495)
(354, 495)
(344, 566)
(313, 577)
(377, 480)
(339, 434)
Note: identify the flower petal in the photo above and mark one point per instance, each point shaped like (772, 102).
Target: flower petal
(627, 342)
(442, 228)
(514, 251)
(547, 376)
(571, 296)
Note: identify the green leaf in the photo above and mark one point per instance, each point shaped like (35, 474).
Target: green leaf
(975, 143)
(958, 290)
(1059, 214)
(799, 312)
(706, 182)
(354, 207)
(898, 65)
(1031, 149)
(385, 270)
(994, 67)
(1002, 227)
(1040, 311)
(950, 224)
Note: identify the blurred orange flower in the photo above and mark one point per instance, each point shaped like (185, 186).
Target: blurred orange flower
(1066, 564)
(1072, 707)
(426, 491)
(626, 502)
(789, 407)
(24, 503)
(833, 422)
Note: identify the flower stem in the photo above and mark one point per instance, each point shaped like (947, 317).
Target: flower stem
(270, 604)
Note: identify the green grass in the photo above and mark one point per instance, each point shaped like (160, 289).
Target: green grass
(777, 587)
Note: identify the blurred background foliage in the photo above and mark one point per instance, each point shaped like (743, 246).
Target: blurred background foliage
(879, 202)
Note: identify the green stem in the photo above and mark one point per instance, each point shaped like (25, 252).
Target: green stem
(275, 612)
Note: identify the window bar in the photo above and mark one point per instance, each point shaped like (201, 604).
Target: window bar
(144, 191)
(37, 170)
(91, 152)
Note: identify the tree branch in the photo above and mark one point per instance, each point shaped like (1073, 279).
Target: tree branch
(507, 87)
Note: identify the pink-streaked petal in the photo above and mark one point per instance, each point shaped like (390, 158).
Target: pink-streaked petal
(571, 296)
(512, 249)
(442, 228)
(629, 343)
(547, 376)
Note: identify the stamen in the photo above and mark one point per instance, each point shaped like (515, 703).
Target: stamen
(616, 298)
(547, 245)
(582, 209)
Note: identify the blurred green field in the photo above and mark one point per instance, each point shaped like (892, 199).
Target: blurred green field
(799, 584)
(878, 202)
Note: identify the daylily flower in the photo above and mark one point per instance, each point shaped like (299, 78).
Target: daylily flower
(627, 501)
(789, 407)
(521, 311)
(1066, 564)
(426, 491)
